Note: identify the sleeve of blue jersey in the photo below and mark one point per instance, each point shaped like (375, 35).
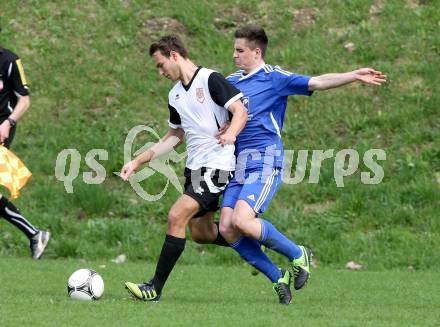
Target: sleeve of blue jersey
(287, 83)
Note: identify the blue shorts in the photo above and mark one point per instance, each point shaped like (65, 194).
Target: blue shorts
(256, 186)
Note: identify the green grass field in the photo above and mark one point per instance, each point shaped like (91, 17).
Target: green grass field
(92, 81)
(34, 294)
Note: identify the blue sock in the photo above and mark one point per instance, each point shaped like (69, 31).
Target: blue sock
(274, 240)
(250, 251)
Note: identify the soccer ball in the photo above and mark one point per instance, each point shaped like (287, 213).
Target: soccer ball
(85, 284)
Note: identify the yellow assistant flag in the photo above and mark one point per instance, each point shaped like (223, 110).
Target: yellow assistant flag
(13, 173)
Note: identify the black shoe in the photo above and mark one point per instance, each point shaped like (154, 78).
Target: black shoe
(38, 244)
(282, 287)
(301, 268)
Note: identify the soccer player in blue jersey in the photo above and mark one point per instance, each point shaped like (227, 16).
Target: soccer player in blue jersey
(259, 152)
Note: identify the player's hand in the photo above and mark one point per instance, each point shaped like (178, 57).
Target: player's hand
(223, 129)
(226, 138)
(128, 170)
(4, 131)
(370, 76)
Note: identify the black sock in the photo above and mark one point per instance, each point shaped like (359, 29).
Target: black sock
(220, 240)
(12, 214)
(171, 250)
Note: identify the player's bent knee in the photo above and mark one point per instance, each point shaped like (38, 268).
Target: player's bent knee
(240, 224)
(225, 229)
(176, 219)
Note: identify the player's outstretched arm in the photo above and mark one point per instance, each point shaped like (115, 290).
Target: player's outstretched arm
(167, 143)
(329, 81)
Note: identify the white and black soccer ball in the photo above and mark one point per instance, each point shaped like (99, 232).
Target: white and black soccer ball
(85, 284)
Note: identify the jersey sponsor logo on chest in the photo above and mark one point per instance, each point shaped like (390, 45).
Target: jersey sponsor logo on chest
(200, 95)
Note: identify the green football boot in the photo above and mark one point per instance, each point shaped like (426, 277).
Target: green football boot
(144, 292)
(301, 268)
(282, 287)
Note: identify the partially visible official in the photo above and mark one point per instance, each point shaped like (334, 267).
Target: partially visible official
(14, 101)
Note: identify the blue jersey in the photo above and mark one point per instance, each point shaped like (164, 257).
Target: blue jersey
(265, 97)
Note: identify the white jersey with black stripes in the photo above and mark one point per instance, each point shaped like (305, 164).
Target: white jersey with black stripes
(200, 109)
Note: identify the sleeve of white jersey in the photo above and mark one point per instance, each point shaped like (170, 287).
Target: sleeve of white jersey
(174, 121)
(222, 92)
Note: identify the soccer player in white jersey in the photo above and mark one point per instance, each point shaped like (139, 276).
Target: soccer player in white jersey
(259, 152)
(198, 105)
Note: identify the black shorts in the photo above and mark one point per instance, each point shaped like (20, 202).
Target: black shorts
(206, 185)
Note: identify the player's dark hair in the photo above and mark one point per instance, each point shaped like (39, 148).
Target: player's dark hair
(255, 35)
(169, 43)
